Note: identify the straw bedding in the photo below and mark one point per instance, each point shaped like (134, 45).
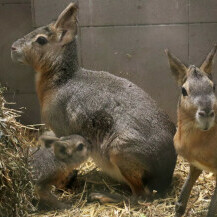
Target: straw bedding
(91, 179)
(17, 190)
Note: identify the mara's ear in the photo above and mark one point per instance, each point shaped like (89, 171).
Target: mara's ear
(208, 62)
(66, 24)
(48, 140)
(178, 69)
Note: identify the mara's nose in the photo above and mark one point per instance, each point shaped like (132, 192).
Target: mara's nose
(13, 48)
(205, 114)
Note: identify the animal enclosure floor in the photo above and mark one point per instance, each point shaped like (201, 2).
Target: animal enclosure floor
(91, 179)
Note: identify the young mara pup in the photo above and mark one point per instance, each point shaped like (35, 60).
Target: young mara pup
(53, 166)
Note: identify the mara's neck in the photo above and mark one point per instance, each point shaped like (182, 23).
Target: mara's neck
(185, 122)
(51, 76)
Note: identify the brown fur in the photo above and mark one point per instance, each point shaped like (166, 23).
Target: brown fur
(60, 178)
(194, 144)
(42, 88)
(132, 172)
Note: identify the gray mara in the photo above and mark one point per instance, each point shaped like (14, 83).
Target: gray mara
(131, 138)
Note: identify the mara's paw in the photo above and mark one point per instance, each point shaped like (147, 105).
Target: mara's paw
(180, 209)
(105, 198)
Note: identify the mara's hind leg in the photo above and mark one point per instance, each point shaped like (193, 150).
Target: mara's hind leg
(47, 200)
(106, 197)
(132, 173)
(213, 204)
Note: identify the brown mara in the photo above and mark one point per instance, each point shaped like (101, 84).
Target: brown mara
(196, 137)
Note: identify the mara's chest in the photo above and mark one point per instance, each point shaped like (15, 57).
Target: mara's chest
(54, 115)
(199, 148)
(65, 116)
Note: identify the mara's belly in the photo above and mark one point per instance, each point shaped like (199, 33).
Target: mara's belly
(202, 166)
(107, 166)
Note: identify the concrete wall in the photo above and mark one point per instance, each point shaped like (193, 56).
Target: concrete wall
(124, 37)
(15, 21)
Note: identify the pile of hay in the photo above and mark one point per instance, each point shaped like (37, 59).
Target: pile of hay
(16, 189)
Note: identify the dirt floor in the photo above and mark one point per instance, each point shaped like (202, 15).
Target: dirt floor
(91, 179)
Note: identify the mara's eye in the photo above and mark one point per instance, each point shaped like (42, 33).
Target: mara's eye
(80, 147)
(41, 40)
(214, 87)
(184, 92)
(62, 149)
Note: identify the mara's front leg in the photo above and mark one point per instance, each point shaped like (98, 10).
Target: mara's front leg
(213, 204)
(186, 190)
(47, 200)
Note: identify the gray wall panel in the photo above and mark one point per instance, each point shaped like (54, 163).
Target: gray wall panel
(17, 78)
(202, 37)
(15, 1)
(28, 103)
(203, 11)
(128, 12)
(45, 11)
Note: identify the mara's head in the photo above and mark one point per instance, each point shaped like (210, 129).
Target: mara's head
(198, 100)
(72, 150)
(44, 46)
